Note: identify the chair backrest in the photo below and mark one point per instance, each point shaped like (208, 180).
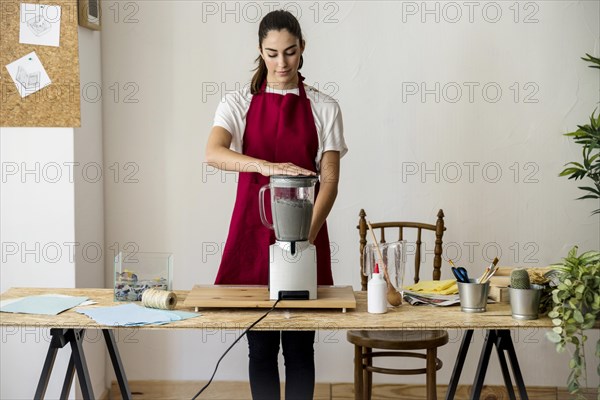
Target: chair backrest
(438, 229)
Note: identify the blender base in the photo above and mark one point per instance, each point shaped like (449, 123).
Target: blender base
(293, 275)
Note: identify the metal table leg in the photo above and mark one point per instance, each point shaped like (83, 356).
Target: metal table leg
(113, 351)
(504, 369)
(501, 339)
(83, 374)
(484, 360)
(77, 362)
(458, 366)
(58, 341)
(64, 394)
(507, 345)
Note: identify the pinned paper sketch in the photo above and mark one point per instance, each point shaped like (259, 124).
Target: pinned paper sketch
(40, 24)
(28, 80)
(29, 74)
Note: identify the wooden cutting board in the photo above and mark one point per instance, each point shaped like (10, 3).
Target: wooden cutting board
(237, 296)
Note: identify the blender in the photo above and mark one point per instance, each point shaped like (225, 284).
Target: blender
(292, 259)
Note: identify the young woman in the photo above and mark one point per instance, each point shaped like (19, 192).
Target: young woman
(278, 126)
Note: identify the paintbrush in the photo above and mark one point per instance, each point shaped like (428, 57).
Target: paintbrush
(489, 271)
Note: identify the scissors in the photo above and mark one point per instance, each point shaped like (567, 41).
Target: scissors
(461, 274)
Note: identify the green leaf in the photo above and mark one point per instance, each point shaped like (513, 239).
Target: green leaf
(553, 337)
(589, 257)
(589, 323)
(573, 386)
(573, 363)
(576, 164)
(591, 59)
(555, 298)
(573, 303)
(569, 171)
(587, 196)
(589, 189)
(573, 252)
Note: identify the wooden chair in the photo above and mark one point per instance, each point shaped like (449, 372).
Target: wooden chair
(398, 343)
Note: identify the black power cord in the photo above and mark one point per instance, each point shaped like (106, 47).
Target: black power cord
(233, 344)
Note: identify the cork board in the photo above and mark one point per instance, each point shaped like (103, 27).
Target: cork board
(58, 104)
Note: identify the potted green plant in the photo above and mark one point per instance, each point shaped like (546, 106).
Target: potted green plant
(576, 299)
(575, 283)
(588, 136)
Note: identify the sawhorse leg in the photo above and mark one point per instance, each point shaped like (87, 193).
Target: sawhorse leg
(74, 337)
(503, 342)
(460, 362)
(64, 394)
(60, 338)
(113, 351)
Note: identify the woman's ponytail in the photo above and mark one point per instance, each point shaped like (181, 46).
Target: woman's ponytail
(259, 76)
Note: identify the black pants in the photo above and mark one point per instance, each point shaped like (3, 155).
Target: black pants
(299, 360)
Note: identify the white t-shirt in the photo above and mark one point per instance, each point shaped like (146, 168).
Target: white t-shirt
(233, 108)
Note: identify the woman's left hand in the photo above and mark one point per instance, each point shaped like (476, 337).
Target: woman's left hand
(288, 168)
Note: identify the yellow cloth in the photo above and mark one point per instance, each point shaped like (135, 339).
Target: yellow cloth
(435, 287)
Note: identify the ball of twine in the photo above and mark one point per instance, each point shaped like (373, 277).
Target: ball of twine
(157, 298)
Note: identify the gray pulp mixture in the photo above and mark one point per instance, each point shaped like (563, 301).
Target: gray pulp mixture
(291, 218)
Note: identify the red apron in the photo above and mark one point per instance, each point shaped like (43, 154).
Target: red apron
(279, 128)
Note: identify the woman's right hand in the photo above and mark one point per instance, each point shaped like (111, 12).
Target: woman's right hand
(270, 168)
(219, 155)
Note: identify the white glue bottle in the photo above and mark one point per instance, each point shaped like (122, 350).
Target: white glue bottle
(376, 293)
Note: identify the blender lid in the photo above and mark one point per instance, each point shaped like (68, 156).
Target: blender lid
(293, 181)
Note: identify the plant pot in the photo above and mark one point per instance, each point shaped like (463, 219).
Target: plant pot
(525, 303)
(473, 296)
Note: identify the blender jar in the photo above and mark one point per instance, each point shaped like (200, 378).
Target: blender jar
(292, 201)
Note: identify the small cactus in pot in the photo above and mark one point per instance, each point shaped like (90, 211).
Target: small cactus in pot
(519, 279)
(524, 297)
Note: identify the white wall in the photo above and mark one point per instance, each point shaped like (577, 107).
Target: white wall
(37, 220)
(52, 221)
(175, 60)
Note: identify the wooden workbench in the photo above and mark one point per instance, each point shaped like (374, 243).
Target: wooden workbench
(497, 316)
(68, 328)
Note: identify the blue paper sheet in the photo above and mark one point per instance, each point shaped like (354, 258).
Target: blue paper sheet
(133, 314)
(43, 304)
